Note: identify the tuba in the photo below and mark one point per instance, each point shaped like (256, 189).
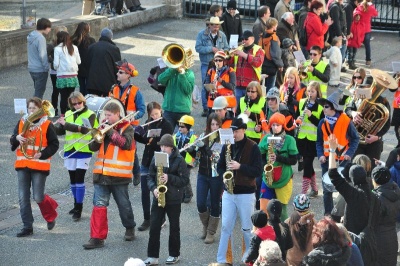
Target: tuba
(46, 109)
(374, 115)
(175, 56)
(228, 175)
(269, 167)
(162, 189)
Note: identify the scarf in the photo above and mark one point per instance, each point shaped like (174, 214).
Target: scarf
(278, 145)
(331, 119)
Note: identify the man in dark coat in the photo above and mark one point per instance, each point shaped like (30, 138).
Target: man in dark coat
(339, 27)
(389, 195)
(287, 29)
(101, 64)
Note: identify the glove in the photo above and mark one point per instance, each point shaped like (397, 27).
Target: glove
(140, 131)
(153, 71)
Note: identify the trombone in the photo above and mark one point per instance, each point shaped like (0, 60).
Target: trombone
(98, 135)
(76, 111)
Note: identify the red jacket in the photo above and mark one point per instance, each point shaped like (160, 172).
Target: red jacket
(315, 30)
(366, 16)
(358, 31)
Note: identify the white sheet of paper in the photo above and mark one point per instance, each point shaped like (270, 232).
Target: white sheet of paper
(226, 134)
(217, 147)
(396, 66)
(86, 122)
(161, 63)
(153, 133)
(299, 57)
(20, 106)
(161, 158)
(272, 139)
(233, 41)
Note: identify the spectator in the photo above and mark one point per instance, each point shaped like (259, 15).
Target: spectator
(216, 11)
(355, 258)
(288, 58)
(38, 64)
(315, 28)
(270, 254)
(335, 61)
(282, 7)
(262, 232)
(317, 69)
(271, 4)
(300, 17)
(247, 61)
(368, 11)
(330, 247)
(395, 168)
(356, 39)
(287, 29)
(260, 26)
(101, 64)
(66, 61)
(208, 42)
(273, 54)
(81, 38)
(338, 28)
(389, 195)
(349, 8)
(232, 22)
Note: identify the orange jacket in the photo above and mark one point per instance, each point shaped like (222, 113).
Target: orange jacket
(34, 164)
(221, 90)
(127, 98)
(115, 161)
(340, 131)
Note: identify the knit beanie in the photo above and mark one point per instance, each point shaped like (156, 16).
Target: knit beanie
(301, 204)
(274, 93)
(106, 32)
(358, 175)
(381, 175)
(259, 219)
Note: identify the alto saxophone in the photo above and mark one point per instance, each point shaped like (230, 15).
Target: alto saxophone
(162, 189)
(269, 167)
(228, 175)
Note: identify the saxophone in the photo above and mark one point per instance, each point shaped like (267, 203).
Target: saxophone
(162, 189)
(269, 167)
(228, 175)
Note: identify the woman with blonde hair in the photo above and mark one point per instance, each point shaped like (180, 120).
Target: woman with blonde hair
(252, 105)
(77, 155)
(291, 91)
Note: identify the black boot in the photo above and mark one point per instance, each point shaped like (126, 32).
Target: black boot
(72, 211)
(78, 212)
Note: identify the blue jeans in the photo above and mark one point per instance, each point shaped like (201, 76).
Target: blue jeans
(206, 184)
(270, 82)
(239, 93)
(343, 50)
(328, 199)
(144, 171)
(136, 164)
(39, 83)
(173, 118)
(26, 178)
(232, 205)
(204, 69)
(367, 45)
(101, 198)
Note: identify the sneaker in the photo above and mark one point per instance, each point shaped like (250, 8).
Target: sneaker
(368, 63)
(129, 234)
(25, 232)
(312, 194)
(144, 226)
(50, 225)
(172, 260)
(343, 70)
(94, 243)
(151, 261)
(204, 113)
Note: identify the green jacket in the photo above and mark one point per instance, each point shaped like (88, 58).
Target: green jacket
(178, 92)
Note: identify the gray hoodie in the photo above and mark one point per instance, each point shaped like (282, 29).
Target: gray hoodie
(37, 54)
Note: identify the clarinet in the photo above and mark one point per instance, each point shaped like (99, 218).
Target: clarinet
(300, 119)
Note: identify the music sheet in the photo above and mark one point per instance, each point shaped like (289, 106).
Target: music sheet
(20, 106)
(161, 158)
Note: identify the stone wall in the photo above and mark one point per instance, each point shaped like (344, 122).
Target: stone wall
(13, 47)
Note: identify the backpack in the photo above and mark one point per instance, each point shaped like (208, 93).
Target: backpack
(303, 35)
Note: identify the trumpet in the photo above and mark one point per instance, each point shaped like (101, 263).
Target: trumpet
(98, 135)
(231, 51)
(76, 111)
(303, 70)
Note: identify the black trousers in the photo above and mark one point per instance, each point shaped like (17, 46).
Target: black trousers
(157, 214)
(373, 151)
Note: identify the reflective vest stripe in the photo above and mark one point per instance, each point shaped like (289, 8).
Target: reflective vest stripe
(321, 68)
(33, 160)
(308, 130)
(129, 103)
(340, 131)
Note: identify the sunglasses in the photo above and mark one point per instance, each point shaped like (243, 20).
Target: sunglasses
(122, 72)
(314, 54)
(180, 126)
(245, 39)
(271, 99)
(252, 91)
(327, 106)
(214, 24)
(357, 77)
(218, 60)
(73, 104)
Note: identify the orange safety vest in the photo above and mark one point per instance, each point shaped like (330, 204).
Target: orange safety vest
(127, 98)
(34, 164)
(340, 131)
(396, 99)
(221, 90)
(115, 161)
(227, 123)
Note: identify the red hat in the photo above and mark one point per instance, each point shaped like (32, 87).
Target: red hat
(127, 67)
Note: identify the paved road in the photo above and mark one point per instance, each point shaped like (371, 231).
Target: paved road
(63, 246)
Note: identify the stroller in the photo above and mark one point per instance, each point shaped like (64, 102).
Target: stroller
(103, 8)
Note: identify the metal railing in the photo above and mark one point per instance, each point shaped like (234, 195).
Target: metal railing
(388, 11)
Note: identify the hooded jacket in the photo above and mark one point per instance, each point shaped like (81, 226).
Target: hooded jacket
(328, 254)
(37, 52)
(261, 234)
(386, 237)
